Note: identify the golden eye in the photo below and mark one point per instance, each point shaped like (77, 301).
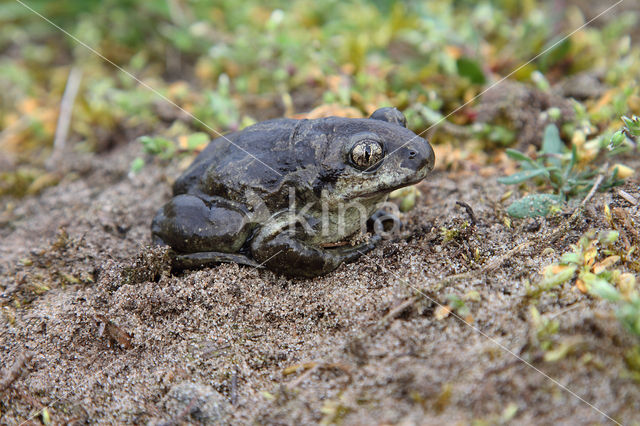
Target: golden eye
(366, 154)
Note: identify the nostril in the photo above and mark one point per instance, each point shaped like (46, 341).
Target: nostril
(412, 154)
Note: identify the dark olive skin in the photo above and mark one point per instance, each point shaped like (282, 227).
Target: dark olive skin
(238, 202)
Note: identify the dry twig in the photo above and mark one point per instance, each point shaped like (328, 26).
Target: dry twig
(64, 119)
(627, 197)
(469, 211)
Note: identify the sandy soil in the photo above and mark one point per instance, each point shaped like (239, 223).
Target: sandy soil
(113, 337)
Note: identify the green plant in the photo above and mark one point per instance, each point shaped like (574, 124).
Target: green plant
(559, 168)
(625, 296)
(165, 149)
(534, 205)
(453, 233)
(632, 125)
(496, 134)
(544, 336)
(544, 329)
(457, 304)
(218, 107)
(158, 146)
(590, 263)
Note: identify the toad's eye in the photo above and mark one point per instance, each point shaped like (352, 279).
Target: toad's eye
(366, 154)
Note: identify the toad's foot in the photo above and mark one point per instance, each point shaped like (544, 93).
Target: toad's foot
(209, 258)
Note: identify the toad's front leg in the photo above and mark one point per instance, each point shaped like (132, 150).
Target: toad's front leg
(280, 248)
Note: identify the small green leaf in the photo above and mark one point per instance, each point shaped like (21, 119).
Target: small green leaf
(522, 158)
(458, 305)
(501, 135)
(137, 164)
(408, 202)
(555, 280)
(608, 237)
(558, 353)
(536, 318)
(617, 139)
(431, 115)
(540, 80)
(601, 288)
(633, 124)
(572, 163)
(554, 113)
(629, 316)
(534, 205)
(470, 69)
(197, 140)
(552, 144)
(522, 176)
(571, 257)
(156, 145)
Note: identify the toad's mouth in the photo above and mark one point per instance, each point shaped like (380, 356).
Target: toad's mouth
(388, 189)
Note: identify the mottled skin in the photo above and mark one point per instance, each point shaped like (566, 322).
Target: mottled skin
(230, 207)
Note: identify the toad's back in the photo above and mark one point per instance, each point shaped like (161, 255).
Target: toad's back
(260, 158)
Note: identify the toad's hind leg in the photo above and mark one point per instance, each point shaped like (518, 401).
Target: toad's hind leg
(191, 225)
(286, 254)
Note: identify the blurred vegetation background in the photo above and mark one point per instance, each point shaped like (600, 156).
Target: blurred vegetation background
(231, 64)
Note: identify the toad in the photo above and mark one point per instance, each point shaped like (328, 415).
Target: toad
(279, 192)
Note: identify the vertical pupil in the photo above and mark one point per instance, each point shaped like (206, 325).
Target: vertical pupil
(366, 154)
